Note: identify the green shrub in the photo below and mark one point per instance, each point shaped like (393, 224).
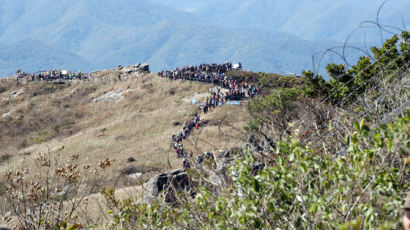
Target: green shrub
(41, 137)
(4, 158)
(299, 189)
(346, 84)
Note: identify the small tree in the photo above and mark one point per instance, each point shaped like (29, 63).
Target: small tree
(272, 114)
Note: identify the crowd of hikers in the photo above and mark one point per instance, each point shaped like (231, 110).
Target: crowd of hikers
(181, 135)
(195, 72)
(228, 89)
(234, 91)
(215, 74)
(53, 75)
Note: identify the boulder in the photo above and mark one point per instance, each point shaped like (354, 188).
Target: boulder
(4, 227)
(110, 96)
(169, 182)
(144, 67)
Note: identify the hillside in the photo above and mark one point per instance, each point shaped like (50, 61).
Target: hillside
(98, 152)
(325, 155)
(42, 117)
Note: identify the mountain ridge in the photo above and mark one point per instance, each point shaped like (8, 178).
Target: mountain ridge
(103, 34)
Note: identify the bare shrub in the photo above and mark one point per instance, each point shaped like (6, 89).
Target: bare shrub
(47, 197)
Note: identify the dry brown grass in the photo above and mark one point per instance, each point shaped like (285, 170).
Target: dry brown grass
(139, 126)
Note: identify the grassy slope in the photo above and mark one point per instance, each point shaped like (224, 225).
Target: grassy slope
(139, 126)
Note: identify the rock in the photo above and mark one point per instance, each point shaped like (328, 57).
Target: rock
(225, 153)
(256, 167)
(128, 69)
(130, 170)
(131, 159)
(144, 67)
(136, 175)
(17, 93)
(111, 96)
(223, 160)
(216, 180)
(168, 182)
(207, 155)
(6, 114)
(135, 68)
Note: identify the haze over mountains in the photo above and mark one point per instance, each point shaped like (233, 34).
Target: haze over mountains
(265, 35)
(311, 19)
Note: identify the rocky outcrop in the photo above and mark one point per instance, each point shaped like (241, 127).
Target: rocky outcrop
(167, 183)
(144, 67)
(134, 68)
(224, 159)
(15, 94)
(111, 96)
(214, 165)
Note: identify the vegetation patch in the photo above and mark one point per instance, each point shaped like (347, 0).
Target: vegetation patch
(4, 158)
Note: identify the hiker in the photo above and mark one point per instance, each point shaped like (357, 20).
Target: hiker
(406, 217)
(119, 77)
(206, 107)
(196, 121)
(186, 164)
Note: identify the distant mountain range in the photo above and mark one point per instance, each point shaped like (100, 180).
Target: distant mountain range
(265, 35)
(307, 19)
